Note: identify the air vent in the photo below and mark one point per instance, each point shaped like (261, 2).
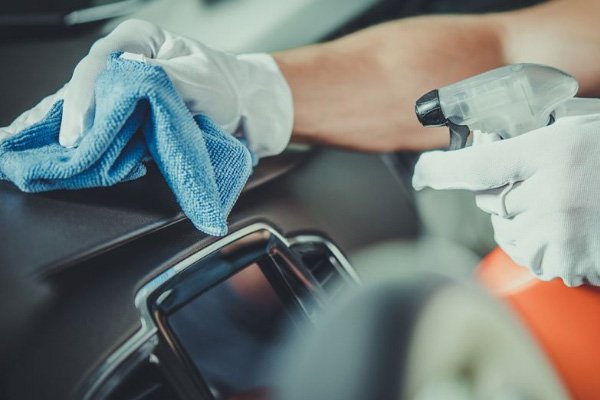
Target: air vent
(144, 382)
(327, 268)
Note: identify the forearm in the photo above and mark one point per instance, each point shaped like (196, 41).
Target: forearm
(359, 92)
(561, 33)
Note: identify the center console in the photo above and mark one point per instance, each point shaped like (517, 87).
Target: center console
(213, 324)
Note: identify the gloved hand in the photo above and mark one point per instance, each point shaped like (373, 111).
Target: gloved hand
(245, 91)
(542, 190)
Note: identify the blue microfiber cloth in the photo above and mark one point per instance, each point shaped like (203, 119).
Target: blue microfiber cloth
(138, 115)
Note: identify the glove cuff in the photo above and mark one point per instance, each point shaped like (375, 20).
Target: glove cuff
(267, 105)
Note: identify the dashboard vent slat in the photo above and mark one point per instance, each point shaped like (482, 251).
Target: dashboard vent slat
(323, 265)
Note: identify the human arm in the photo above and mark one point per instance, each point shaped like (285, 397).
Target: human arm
(359, 91)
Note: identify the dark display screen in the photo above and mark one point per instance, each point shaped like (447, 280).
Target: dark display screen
(233, 331)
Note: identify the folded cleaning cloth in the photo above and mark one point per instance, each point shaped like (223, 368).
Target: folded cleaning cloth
(138, 115)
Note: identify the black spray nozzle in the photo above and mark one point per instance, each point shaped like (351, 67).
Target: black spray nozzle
(429, 110)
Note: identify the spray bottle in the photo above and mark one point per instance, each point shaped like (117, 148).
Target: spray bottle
(507, 101)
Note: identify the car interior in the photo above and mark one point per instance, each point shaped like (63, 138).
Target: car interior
(112, 293)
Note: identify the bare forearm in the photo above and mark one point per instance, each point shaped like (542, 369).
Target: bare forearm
(561, 33)
(359, 92)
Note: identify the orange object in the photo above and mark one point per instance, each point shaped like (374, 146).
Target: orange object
(565, 321)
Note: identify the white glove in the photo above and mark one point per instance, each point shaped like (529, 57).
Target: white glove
(246, 91)
(542, 190)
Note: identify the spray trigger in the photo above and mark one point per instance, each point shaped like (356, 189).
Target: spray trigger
(458, 135)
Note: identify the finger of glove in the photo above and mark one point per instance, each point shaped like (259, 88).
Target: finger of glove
(203, 89)
(512, 236)
(132, 36)
(492, 201)
(482, 167)
(506, 231)
(546, 263)
(507, 201)
(33, 115)
(527, 240)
